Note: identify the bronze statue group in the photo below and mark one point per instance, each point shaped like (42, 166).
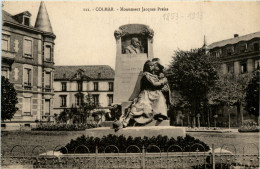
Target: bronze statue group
(151, 103)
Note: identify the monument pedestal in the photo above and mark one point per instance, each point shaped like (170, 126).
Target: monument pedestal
(148, 131)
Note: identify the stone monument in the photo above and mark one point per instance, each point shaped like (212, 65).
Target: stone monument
(134, 43)
(134, 47)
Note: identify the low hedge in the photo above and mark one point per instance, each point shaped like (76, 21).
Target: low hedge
(62, 127)
(245, 129)
(249, 126)
(121, 142)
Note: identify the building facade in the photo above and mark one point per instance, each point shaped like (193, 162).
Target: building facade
(238, 55)
(27, 61)
(73, 83)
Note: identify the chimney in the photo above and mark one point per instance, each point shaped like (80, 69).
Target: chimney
(236, 35)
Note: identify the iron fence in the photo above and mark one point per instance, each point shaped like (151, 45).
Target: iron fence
(134, 157)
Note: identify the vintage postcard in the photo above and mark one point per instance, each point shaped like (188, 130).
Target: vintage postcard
(130, 84)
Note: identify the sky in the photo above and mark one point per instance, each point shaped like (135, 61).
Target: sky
(87, 37)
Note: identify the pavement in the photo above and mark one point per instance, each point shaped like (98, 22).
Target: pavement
(211, 130)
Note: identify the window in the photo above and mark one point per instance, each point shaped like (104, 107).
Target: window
(63, 101)
(27, 77)
(47, 80)
(95, 86)
(47, 52)
(230, 68)
(47, 107)
(229, 51)
(242, 49)
(79, 99)
(96, 99)
(257, 64)
(110, 99)
(256, 47)
(26, 21)
(27, 48)
(64, 86)
(111, 86)
(27, 106)
(79, 86)
(243, 67)
(5, 42)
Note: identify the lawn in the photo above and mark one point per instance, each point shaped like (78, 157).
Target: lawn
(51, 139)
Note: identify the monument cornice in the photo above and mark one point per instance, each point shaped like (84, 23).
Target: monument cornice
(132, 29)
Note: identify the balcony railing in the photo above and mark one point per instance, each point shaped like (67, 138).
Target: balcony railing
(8, 54)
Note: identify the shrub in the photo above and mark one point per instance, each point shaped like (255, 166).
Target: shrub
(62, 127)
(249, 126)
(121, 142)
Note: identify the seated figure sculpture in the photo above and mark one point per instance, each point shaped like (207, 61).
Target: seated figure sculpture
(150, 103)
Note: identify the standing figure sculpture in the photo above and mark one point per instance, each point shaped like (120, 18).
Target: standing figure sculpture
(159, 71)
(150, 103)
(135, 47)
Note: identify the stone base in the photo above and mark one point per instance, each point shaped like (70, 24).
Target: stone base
(153, 123)
(159, 123)
(148, 131)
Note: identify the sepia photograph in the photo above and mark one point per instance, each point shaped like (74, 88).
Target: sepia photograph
(130, 84)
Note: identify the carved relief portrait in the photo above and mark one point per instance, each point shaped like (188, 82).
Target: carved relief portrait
(134, 45)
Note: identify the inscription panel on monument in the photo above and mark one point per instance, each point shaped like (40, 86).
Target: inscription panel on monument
(129, 69)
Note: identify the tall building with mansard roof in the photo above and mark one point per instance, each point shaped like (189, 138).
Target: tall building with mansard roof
(28, 63)
(239, 55)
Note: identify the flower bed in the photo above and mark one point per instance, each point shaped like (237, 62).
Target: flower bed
(121, 142)
(249, 127)
(62, 127)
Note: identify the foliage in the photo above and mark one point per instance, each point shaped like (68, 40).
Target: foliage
(98, 114)
(192, 74)
(78, 114)
(249, 126)
(229, 90)
(8, 99)
(62, 127)
(115, 112)
(252, 95)
(121, 142)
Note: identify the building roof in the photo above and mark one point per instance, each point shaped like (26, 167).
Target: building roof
(91, 71)
(8, 17)
(234, 40)
(43, 22)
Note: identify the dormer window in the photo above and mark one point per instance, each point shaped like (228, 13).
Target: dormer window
(26, 21)
(23, 18)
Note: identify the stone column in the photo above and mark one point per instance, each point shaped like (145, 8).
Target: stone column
(250, 65)
(236, 68)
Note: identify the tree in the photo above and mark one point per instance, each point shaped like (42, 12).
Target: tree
(252, 95)
(229, 91)
(8, 100)
(192, 74)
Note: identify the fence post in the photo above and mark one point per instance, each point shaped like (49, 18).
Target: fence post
(96, 160)
(143, 157)
(213, 157)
